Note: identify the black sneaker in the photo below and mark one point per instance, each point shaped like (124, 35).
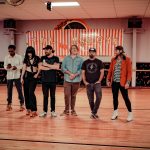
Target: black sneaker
(94, 116)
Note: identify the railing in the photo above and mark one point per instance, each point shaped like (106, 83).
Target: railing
(142, 75)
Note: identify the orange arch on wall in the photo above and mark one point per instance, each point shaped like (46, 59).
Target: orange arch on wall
(64, 23)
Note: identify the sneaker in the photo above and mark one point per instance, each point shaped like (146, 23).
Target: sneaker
(114, 115)
(53, 114)
(65, 112)
(43, 114)
(73, 113)
(33, 114)
(94, 116)
(130, 116)
(8, 108)
(21, 108)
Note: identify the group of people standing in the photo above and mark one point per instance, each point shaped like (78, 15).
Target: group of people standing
(75, 69)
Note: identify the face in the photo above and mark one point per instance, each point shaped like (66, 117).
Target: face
(118, 52)
(74, 50)
(48, 52)
(92, 54)
(11, 51)
(30, 55)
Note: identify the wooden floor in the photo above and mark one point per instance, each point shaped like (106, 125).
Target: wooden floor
(20, 132)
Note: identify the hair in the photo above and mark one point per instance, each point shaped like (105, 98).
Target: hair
(74, 46)
(31, 50)
(119, 47)
(12, 47)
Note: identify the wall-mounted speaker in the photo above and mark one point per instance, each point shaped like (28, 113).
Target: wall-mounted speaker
(134, 23)
(10, 23)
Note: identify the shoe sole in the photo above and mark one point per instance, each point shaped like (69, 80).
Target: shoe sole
(114, 118)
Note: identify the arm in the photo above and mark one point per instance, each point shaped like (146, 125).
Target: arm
(79, 68)
(7, 66)
(109, 75)
(129, 73)
(19, 67)
(84, 78)
(55, 66)
(23, 72)
(101, 76)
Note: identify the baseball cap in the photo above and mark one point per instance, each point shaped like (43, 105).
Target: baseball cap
(92, 49)
(47, 47)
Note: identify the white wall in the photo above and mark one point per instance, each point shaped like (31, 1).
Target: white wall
(143, 39)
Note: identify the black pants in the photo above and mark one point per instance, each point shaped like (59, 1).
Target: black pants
(29, 88)
(46, 88)
(91, 89)
(19, 90)
(115, 90)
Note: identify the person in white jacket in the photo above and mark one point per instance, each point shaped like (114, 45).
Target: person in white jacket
(13, 63)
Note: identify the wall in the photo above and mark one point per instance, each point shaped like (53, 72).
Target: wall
(143, 39)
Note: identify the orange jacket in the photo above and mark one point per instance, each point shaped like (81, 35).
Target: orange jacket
(126, 71)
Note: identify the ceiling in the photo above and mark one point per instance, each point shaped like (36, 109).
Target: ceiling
(36, 9)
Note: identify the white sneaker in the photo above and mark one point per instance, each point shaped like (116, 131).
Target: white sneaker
(43, 114)
(114, 115)
(130, 116)
(53, 114)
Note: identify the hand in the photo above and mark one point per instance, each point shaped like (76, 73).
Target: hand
(14, 68)
(72, 76)
(97, 82)
(36, 75)
(22, 81)
(56, 66)
(45, 64)
(126, 86)
(9, 66)
(86, 83)
(108, 83)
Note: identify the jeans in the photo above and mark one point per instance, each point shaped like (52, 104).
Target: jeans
(46, 88)
(91, 88)
(29, 88)
(70, 92)
(19, 90)
(115, 91)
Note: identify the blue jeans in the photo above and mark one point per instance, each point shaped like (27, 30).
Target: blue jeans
(91, 88)
(19, 90)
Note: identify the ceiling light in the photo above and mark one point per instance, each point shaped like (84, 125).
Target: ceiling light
(61, 4)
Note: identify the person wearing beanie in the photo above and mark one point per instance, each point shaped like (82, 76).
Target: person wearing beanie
(119, 78)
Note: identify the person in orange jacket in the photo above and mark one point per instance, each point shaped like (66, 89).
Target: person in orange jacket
(119, 78)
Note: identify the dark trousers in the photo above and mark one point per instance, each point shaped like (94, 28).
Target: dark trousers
(115, 91)
(19, 90)
(70, 92)
(46, 88)
(91, 89)
(29, 89)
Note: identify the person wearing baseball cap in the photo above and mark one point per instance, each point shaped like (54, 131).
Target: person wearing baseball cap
(119, 78)
(92, 74)
(49, 65)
